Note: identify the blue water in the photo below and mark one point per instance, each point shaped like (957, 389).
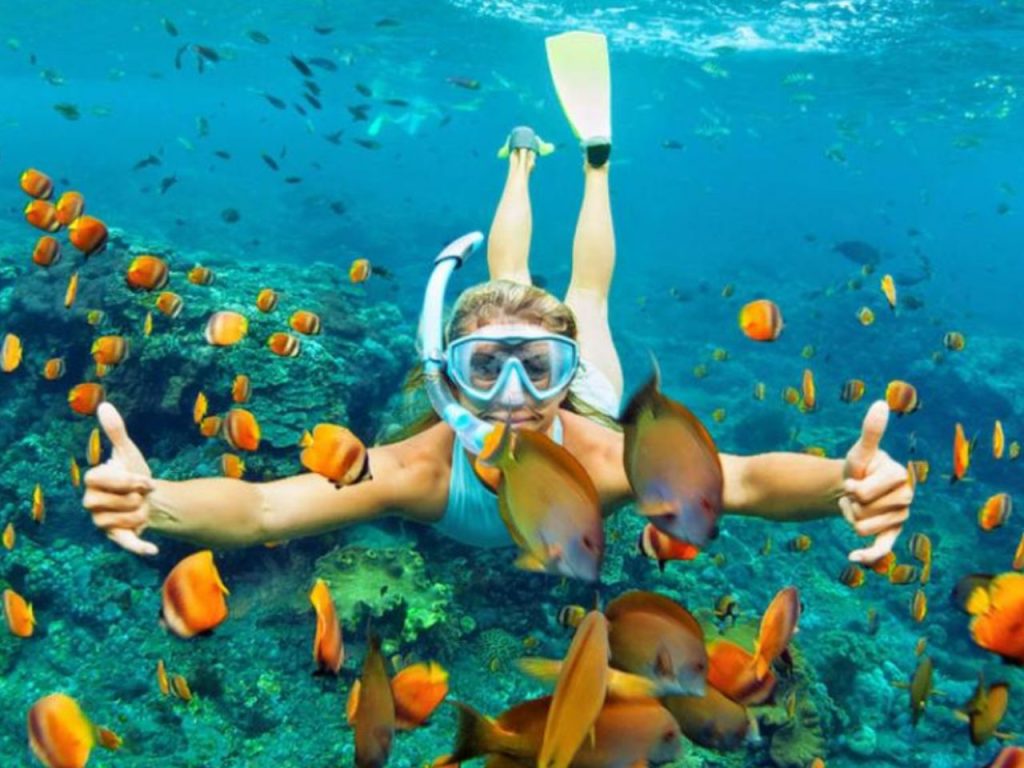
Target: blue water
(798, 125)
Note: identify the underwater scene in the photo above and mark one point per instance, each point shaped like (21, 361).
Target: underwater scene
(512, 383)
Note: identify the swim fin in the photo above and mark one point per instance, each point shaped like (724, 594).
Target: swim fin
(524, 137)
(579, 68)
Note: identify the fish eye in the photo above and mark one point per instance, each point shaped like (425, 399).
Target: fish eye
(588, 543)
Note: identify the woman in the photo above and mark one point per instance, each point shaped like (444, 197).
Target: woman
(515, 353)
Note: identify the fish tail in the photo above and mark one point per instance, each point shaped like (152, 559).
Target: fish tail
(624, 685)
(497, 445)
(477, 735)
(761, 667)
(544, 670)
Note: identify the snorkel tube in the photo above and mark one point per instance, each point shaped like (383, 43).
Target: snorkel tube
(469, 429)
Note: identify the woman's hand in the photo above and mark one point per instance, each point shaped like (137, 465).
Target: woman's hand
(876, 490)
(116, 491)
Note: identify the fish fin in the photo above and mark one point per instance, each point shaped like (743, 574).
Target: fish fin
(477, 735)
(978, 601)
(623, 685)
(962, 716)
(530, 562)
(31, 614)
(761, 667)
(108, 739)
(544, 670)
(1004, 736)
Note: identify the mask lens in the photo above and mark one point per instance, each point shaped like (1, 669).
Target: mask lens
(544, 366)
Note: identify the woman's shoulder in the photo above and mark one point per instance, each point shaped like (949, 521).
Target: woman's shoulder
(587, 438)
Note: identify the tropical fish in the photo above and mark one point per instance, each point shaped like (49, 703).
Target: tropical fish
(921, 687)
(652, 636)
(777, 627)
(759, 390)
(210, 426)
(36, 184)
(47, 251)
(548, 502)
(662, 548)
(732, 670)
(865, 316)
(69, 207)
(193, 596)
(328, 648)
(200, 275)
(726, 608)
(800, 543)
(995, 511)
(761, 320)
(161, 678)
(903, 574)
(713, 720)
(919, 606)
(93, 449)
(889, 289)
(232, 466)
(9, 536)
(199, 407)
(241, 430)
(61, 736)
(998, 440)
(985, 710)
(94, 316)
(147, 324)
(961, 454)
(1018, 556)
(852, 391)
(901, 396)
(241, 388)
(84, 398)
(918, 471)
(417, 689)
(284, 344)
(954, 341)
(998, 611)
(572, 615)
(42, 214)
(672, 465)
(858, 251)
(170, 304)
(38, 504)
(1008, 757)
(110, 350)
(852, 576)
(21, 619)
(180, 688)
(88, 234)
(337, 454)
(226, 328)
(10, 353)
(72, 290)
(375, 713)
(810, 398)
(266, 300)
(305, 322)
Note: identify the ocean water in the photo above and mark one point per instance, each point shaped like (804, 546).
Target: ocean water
(750, 138)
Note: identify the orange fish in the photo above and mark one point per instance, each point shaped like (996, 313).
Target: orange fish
(147, 324)
(918, 471)
(170, 304)
(853, 390)
(866, 316)
(954, 341)
(75, 472)
(69, 207)
(1018, 556)
(777, 627)
(761, 320)
(9, 536)
(38, 504)
(985, 710)
(47, 251)
(102, 369)
(88, 234)
(852, 576)
(193, 596)
(61, 736)
(210, 426)
(147, 273)
(266, 300)
(226, 328)
(418, 690)
(961, 454)
(995, 512)
(1008, 757)
(883, 565)
(998, 613)
(998, 440)
(241, 430)
(901, 397)
(800, 543)
(791, 395)
(903, 574)
(199, 408)
(42, 214)
(94, 316)
(10, 353)
(889, 289)
(337, 454)
(661, 547)
(110, 350)
(731, 670)
(161, 678)
(241, 388)
(179, 685)
(283, 344)
(328, 647)
(36, 183)
(200, 275)
(759, 390)
(72, 290)
(93, 451)
(20, 617)
(85, 397)
(919, 606)
(359, 271)
(305, 322)
(232, 466)
(809, 391)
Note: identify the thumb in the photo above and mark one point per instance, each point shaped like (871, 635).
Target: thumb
(124, 449)
(871, 431)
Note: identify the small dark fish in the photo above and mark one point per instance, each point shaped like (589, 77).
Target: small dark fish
(445, 120)
(387, 23)
(169, 27)
(858, 252)
(206, 52)
(223, 154)
(258, 37)
(283, 152)
(671, 144)
(465, 82)
(167, 183)
(293, 180)
(909, 301)
(325, 64)
(202, 126)
(300, 65)
(69, 111)
(312, 87)
(149, 160)
(270, 161)
(913, 232)
(300, 109)
(1003, 208)
(364, 90)
(359, 112)
(338, 207)
(276, 102)
(200, 66)
(387, 274)
(396, 102)
(313, 101)
(368, 143)
(323, 30)
(810, 237)
(178, 55)
(230, 215)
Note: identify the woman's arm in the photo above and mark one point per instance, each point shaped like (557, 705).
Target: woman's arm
(787, 487)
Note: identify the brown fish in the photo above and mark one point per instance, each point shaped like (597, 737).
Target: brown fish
(712, 720)
(920, 688)
(777, 627)
(375, 715)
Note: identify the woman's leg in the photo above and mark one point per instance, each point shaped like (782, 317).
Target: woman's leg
(593, 261)
(508, 244)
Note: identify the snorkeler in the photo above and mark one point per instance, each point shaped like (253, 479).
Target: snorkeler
(511, 352)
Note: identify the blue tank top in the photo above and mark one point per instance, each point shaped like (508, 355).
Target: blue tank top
(472, 516)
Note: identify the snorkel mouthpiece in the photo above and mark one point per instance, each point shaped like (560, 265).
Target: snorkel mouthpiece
(469, 429)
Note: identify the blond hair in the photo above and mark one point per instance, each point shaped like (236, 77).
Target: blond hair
(490, 303)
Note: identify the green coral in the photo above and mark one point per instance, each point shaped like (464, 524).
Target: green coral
(800, 739)
(498, 648)
(390, 582)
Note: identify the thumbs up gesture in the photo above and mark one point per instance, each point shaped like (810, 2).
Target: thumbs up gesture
(116, 491)
(876, 489)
